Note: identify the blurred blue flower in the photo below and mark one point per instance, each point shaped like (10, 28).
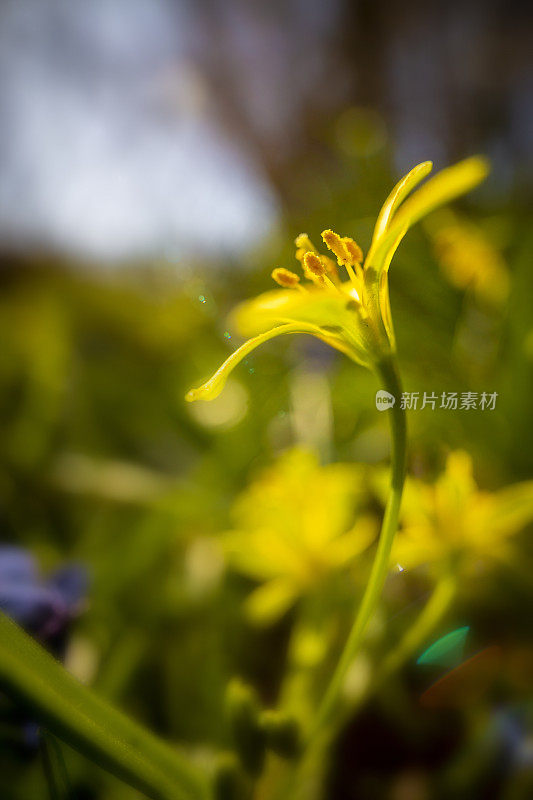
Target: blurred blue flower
(43, 607)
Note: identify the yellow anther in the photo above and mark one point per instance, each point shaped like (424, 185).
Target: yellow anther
(353, 249)
(285, 278)
(304, 243)
(316, 269)
(335, 243)
(347, 251)
(313, 264)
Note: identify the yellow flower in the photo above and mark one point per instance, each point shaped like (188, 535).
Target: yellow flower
(294, 526)
(452, 523)
(352, 314)
(468, 258)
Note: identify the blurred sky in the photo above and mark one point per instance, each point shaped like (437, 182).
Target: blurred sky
(152, 128)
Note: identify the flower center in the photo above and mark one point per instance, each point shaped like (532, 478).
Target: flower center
(322, 270)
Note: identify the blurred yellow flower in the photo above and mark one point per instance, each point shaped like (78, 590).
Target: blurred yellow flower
(351, 315)
(453, 524)
(468, 258)
(294, 526)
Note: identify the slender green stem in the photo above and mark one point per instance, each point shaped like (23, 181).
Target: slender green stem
(390, 379)
(413, 640)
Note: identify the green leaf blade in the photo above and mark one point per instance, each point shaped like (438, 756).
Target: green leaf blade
(71, 711)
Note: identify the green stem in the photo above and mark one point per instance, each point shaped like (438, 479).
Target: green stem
(388, 373)
(413, 640)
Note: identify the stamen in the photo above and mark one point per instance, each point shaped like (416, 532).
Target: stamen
(286, 278)
(334, 242)
(303, 245)
(316, 270)
(313, 264)
(353, 249)
(348, 253)
(303, 242)
(351, 273)
(331, 267)
(345, 248)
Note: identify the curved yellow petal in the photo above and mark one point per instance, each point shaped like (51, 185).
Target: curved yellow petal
(443, 187)
(398, 194)
(332, 316)
(212, 388)
(314, 307)
(446, 185)
(383, 299)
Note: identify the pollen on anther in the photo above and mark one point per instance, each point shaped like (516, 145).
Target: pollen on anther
(353, 249)
(303, 241)
(347, 251)
(334, 242)
(314, 265)
(285, 277)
